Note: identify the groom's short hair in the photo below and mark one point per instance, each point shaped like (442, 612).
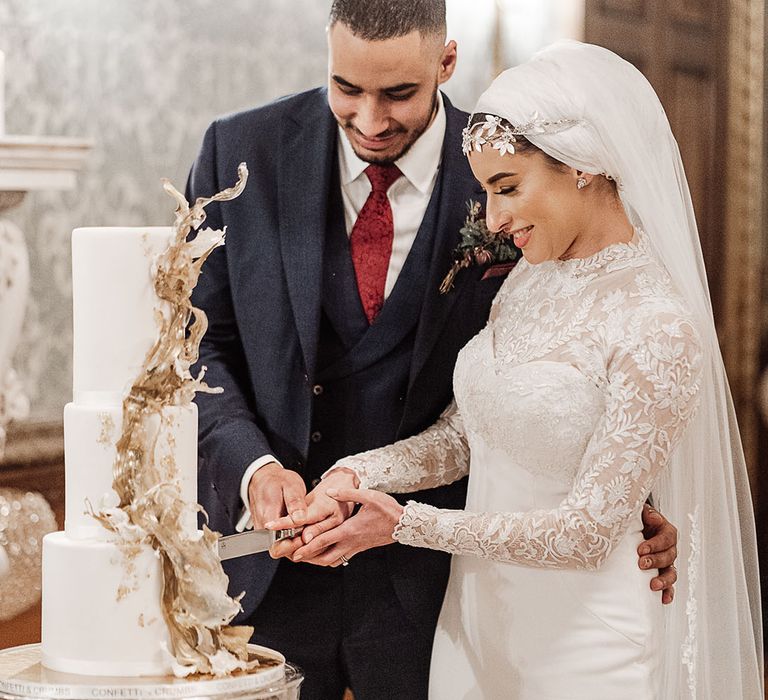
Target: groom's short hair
(377, 20)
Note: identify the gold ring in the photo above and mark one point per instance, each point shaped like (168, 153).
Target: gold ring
(344, 560)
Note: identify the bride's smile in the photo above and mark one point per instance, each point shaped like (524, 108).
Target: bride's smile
(521, 236)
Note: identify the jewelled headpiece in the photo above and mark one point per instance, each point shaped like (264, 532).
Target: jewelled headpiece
(501, 135)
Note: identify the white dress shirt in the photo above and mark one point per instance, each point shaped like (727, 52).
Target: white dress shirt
(408, 196)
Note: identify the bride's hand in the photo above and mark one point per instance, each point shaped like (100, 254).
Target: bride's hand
(372, 526)
(323, 513)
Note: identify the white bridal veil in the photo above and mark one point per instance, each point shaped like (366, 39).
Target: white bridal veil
(617, 127)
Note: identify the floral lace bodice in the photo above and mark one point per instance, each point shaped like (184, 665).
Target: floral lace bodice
(586, 375)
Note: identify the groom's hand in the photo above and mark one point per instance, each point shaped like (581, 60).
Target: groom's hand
(274, 491)
(323, 513)
(659, 551)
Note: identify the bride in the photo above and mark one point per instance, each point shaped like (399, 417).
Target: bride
(597, 383)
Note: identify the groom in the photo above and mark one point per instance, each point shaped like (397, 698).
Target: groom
(329, 336)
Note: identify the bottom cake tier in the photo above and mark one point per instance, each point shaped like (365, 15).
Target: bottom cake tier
(101, 608)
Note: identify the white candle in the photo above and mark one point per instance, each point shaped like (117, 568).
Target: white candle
(2, 93)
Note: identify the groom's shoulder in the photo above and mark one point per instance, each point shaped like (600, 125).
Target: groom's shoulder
(312, 103)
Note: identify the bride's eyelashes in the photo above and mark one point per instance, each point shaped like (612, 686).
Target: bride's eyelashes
(511, 189)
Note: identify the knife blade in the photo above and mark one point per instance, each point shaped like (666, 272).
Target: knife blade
(251, 542)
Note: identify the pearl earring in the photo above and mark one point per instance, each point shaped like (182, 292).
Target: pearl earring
(581, 183)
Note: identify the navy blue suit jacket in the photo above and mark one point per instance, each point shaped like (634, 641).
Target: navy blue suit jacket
(262, 294)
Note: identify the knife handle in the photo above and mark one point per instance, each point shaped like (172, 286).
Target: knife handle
(287, 534)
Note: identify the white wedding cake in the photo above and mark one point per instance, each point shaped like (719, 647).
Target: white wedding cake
(101, 603)
(102, 610)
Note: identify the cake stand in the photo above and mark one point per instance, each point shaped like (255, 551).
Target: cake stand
(23, 676)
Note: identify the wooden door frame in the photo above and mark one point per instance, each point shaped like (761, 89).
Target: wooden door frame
(743, 152)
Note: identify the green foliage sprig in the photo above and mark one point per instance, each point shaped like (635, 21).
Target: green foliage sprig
(478, 246)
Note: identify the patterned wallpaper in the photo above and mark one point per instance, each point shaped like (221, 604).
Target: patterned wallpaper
(142, 80)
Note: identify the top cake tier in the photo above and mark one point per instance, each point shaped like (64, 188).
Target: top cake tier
(114, 308)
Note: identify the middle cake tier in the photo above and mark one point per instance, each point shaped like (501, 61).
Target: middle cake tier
(91, 433)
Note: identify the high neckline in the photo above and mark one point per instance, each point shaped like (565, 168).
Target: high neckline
(614, 253)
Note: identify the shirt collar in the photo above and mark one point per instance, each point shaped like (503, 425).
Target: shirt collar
(418, 165)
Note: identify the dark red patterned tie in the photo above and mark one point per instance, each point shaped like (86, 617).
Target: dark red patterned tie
(371, 239)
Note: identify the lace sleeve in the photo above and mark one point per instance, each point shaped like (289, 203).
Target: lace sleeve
(651, 397)
(435, 457)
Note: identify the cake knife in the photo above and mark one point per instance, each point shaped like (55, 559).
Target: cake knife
(252, 542)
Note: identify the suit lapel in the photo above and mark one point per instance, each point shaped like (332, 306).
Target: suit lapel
(400, 312)
(305, 162)
(341, 300)
(456, 189)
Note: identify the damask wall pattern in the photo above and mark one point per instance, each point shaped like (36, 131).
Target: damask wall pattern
(140, 79)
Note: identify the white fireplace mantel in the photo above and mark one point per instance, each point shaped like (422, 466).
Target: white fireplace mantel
(30, 163)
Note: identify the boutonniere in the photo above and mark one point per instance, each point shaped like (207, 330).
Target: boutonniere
(478, 246)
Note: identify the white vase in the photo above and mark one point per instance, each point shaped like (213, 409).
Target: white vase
(14, 291)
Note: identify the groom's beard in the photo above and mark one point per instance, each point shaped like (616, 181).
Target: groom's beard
(412, 136)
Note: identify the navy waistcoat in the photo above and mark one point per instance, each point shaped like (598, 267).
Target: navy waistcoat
(363, 370)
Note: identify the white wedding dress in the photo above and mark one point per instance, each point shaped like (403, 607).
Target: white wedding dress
(568, 404)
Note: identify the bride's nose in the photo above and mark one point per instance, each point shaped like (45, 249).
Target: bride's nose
(495, 216)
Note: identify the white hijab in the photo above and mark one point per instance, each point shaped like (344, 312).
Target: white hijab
(593, 111)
